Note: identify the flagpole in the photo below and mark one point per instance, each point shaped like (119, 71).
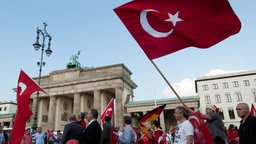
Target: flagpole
(167, 82)
(114, 112)
(154, 87)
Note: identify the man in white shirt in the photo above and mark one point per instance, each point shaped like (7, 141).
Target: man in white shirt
(184, 133)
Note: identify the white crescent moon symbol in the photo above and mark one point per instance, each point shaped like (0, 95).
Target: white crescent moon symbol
(193, 117)
(109, 109)
(23, 87)
(146, 26)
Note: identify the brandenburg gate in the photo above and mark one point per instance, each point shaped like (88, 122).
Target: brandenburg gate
(76, 90)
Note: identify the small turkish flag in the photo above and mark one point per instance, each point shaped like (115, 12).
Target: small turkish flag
(202, 134)
(162, 27)
(108, 110)
(253, 111)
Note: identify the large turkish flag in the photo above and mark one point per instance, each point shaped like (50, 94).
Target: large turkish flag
(164, 26)
(26, 86)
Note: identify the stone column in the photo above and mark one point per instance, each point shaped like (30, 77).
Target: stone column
(33, 109)
(96, 101)
(119, 107)
(11, 123)
(83, 103)
(41, 106)
(162, 123)
(51, 113)
(76, 108)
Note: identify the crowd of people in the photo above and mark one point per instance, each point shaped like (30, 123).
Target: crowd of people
(78, 132)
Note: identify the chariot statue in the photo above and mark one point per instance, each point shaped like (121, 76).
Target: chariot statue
(73, 61)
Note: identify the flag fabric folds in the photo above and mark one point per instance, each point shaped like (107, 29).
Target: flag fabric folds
(150, 116)
(217, 110)
(253, 111)
(165, 26)
(26, 86)
(108, 111)
(51, 134)
(202, 134)
(114, 137)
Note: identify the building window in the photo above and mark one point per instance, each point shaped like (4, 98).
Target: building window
(207, 99)
(217, 99)
(221, 113)
(225, 85)
(205, 87)
(64, 117)
(215, 86)
(45, 118)
(5, 108)
(254, 81)
(238, 96)
(253, 93)
(231, 113)
(246, 83)
(235, 84)
(0, 109)
(228, 97)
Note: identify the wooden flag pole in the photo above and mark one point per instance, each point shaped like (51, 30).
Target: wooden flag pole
(167, 82)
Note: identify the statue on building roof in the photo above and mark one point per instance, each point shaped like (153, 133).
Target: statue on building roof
(73, 61)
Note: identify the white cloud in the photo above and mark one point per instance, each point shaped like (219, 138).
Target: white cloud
(215, 72)
(219, 71)
(186, 87)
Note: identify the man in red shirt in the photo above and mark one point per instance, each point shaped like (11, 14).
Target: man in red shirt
(27, 138)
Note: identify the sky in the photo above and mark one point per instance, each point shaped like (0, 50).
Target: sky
(93, 28)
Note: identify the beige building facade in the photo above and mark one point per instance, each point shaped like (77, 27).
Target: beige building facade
(7, 113)
(78, 90)
(226, 91)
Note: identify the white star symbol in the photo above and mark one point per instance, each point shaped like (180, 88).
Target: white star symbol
(174, 18)
(196, 130)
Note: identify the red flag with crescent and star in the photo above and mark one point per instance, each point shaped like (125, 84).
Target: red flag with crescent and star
(108, 111)
(162, 27)
(26, 86)
(202, 134)
(253, 110)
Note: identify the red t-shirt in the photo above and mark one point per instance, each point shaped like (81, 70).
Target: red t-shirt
(232, 136)
(146, 139)
(157, 134)
(83, 124)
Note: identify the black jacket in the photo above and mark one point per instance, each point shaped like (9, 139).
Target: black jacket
(72, 131)
(93, 133)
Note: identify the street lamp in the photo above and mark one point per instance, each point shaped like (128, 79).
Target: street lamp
(48, 52)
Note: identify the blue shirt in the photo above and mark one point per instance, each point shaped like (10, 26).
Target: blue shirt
(40, 137)
(1, 137)
(128, 136)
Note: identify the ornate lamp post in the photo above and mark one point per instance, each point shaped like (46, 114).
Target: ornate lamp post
(48, 52)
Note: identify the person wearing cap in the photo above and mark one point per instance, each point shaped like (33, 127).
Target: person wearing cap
(214, 123)
(72, 131)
